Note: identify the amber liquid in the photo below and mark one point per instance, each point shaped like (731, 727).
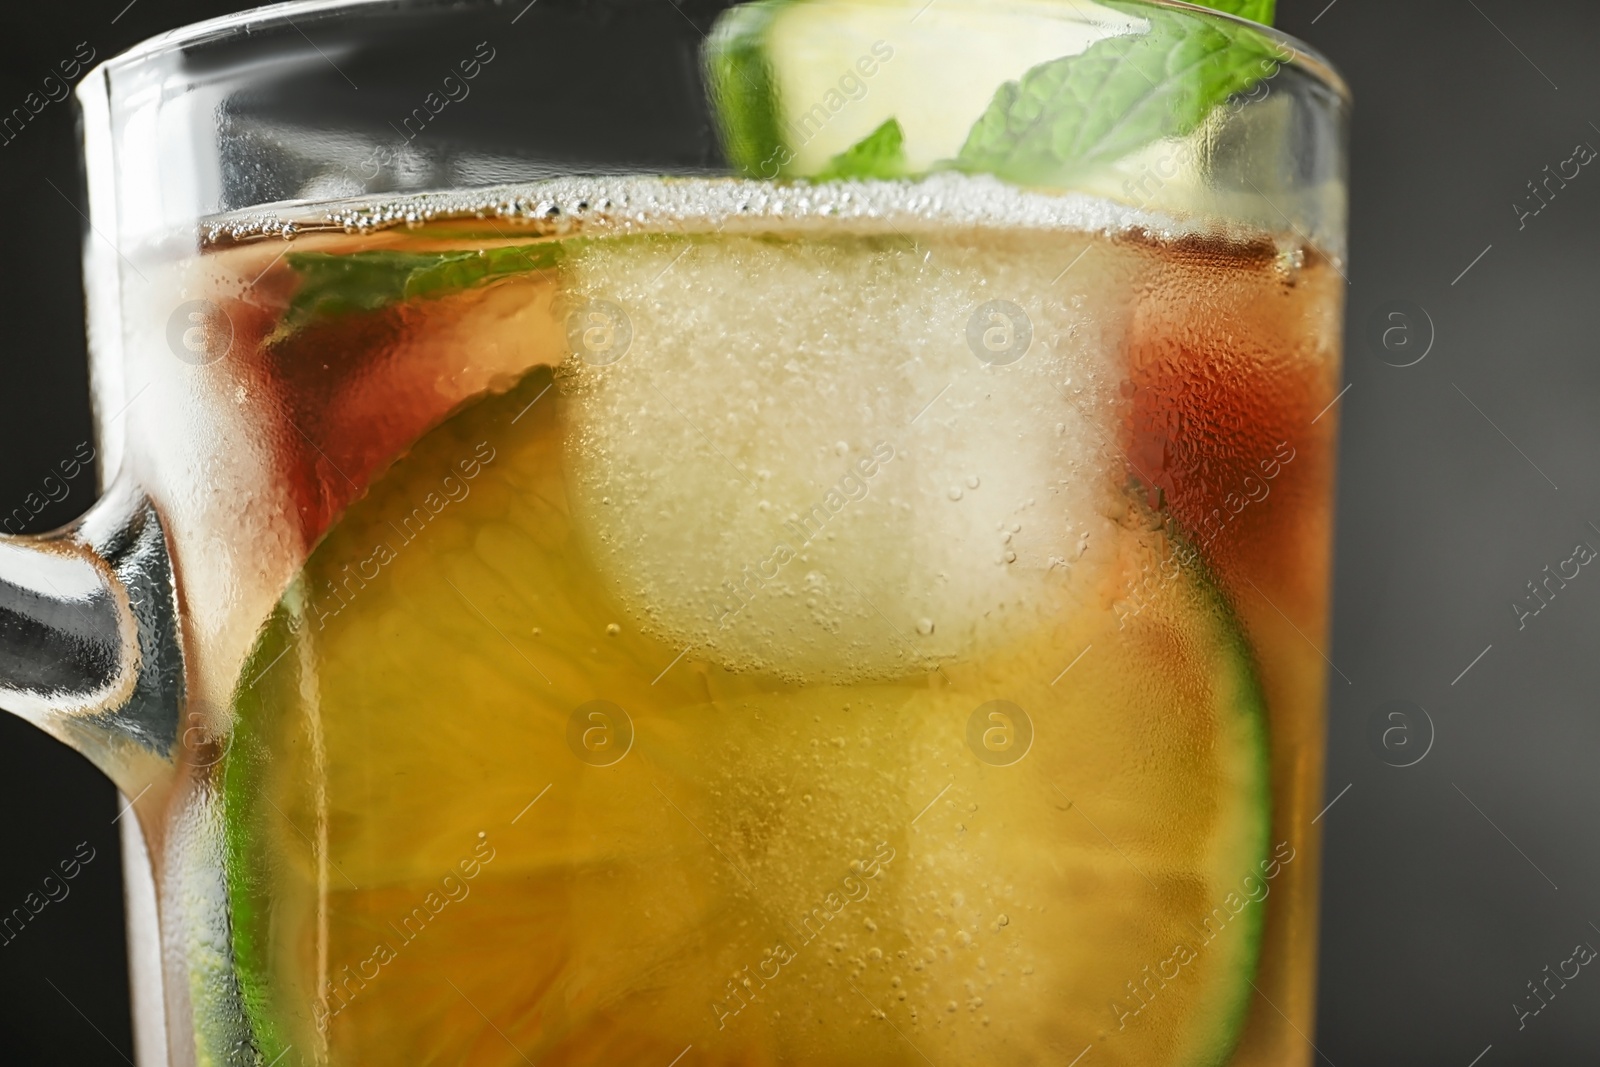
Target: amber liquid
(802, 685)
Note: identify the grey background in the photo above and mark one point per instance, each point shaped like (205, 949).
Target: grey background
(1449, 884)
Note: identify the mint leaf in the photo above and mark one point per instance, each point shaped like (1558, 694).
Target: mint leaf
(1119, 95)
(880, 154)
(335, 284)
(1255, 10)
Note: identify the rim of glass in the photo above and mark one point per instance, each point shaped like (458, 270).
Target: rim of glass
(1302, 55)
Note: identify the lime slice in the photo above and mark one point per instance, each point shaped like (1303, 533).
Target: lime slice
(798, 82)
(442, 849)
(1034, 93)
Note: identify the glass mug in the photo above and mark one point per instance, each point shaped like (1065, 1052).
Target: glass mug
(795, 532)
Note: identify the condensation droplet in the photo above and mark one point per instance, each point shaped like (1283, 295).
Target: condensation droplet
(954, 493)
(924, 627)
(612, 629)
(972, 481)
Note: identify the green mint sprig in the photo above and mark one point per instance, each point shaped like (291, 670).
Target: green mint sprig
(335, 284)
(880, 154)
(1119, 95)
(1261, 11)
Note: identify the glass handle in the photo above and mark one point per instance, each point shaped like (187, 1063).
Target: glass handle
(89, 646)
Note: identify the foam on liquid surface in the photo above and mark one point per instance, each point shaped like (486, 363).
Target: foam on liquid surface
(606, 206)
